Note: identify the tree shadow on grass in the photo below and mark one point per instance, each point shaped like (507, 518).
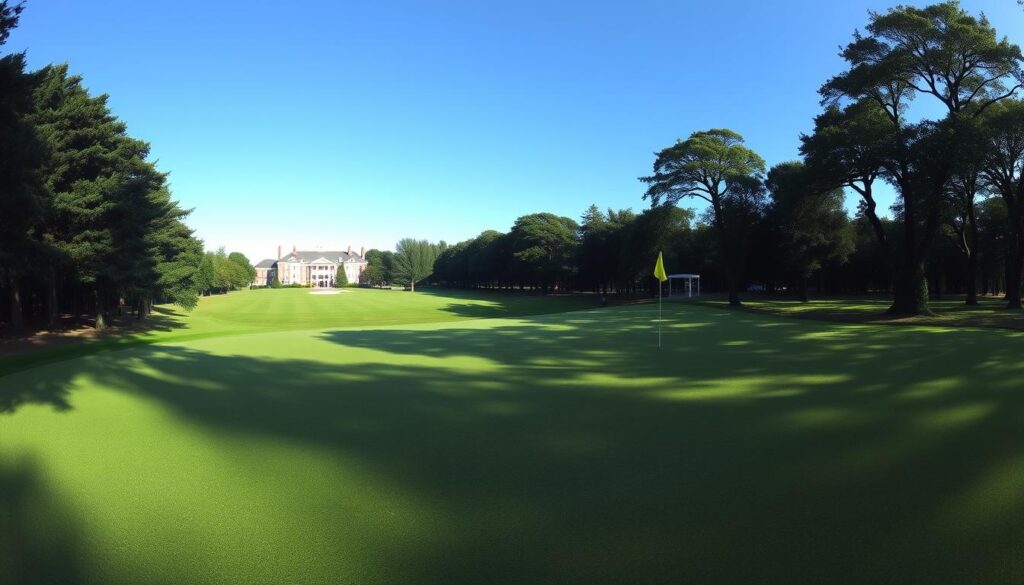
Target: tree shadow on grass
(568, 449)
(41, 348)
(15, 392)
(489, 304)
(989, 312)
(39, 543)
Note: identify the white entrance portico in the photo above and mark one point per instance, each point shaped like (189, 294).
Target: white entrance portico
(689, 278)
(321, 273)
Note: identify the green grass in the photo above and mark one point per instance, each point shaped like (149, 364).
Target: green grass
(949, 311)
(253, 311)
(559, 448)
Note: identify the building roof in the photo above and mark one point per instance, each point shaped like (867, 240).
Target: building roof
(268, 263)
(310, 256)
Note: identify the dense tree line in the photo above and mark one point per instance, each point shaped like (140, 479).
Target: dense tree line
(941, 168)
(957, 223)
(87, 222)
(606, 251)
(410, 264)
(380, 269)
(220, 272)
(791, 244)
(938, 166)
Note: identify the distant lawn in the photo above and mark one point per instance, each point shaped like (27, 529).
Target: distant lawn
(254, 311)
(562, 448)
(951, 310)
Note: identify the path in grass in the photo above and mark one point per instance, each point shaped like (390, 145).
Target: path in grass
(553, 449)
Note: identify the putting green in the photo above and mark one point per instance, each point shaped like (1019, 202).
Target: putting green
(560, 448)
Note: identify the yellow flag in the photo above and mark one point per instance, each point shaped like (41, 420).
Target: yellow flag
(659, 269)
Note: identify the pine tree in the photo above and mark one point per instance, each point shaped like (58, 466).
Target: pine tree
(21, 155)
(178, 256)
(85, 177)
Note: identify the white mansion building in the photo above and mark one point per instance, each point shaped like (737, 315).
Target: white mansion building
(317, 268)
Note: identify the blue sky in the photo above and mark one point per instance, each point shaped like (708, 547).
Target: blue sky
(321, 123)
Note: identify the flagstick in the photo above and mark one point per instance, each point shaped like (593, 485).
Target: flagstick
(659, 314)
(659, 275)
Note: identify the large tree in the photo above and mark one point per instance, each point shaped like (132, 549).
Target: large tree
(82, 137)
(21, 155)
(452, 265)
(178, 257)
(993, 229)
(966, 188)
(103, 196)
(1003, 170)
(379, 267)
(221, 273)
(847, 149)
(544, 249)
(92, 215)
(595, 258)
(241, 260)
(811, 223)
(81, 203)
(638, 239)
(487, 258)
(939, 51)
(414, 260)
(717, 167)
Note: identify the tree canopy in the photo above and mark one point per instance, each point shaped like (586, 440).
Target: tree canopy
(414, 260)
(811, 222)
(717, 167)
(379, 268)
(89, 221)
(940, 51)
(543, 246)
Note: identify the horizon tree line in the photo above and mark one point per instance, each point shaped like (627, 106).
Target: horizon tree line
(958, 178)
(89, 224)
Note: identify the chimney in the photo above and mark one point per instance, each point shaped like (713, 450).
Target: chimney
(293, 248)
(350, 249)
(362, 251)
(279, 251)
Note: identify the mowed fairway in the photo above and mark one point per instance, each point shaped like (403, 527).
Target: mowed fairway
(406, 446)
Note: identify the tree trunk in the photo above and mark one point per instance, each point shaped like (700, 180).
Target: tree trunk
(734, 288)
(910, 292)
(972, 256)
(412, 285)
(910, 280)
(728, 255)
(1013, 274)
(17, 319)
(52, 310)
(972, 277)
(101, 321)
